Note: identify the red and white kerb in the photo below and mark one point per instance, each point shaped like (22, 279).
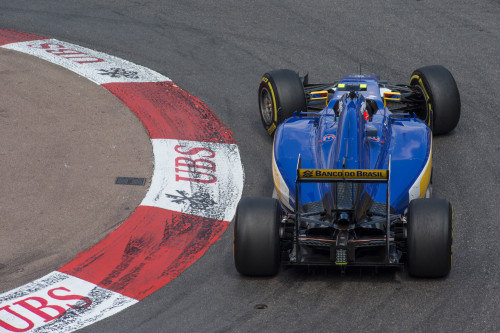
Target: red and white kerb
(197, 182)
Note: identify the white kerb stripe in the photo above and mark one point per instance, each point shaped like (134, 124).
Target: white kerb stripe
(197, 178)
(67, 303)
(96, 66)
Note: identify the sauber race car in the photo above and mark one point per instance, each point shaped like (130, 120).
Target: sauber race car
(352, 170)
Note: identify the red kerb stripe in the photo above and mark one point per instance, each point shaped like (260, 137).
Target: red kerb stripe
(10, 36)
(150, 249)
(169, 112)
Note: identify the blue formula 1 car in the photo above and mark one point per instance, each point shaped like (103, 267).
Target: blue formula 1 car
(352, 170)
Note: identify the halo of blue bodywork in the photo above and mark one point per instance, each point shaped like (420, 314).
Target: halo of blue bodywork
(330, 140)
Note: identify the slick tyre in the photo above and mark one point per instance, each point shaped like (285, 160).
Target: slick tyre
(281, 93)
(443, 107)
(430, 232)
(256, 237)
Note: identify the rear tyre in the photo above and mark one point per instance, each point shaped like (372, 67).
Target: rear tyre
(256, 237)
(430, 232)
(443, 107)
(281, 93)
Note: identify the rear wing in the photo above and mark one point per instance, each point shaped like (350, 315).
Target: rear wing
(341, 175)
(344, 175)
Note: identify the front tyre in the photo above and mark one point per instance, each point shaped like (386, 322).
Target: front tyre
(442, 99)
(430, 232)
(281, 93)
(256, 236)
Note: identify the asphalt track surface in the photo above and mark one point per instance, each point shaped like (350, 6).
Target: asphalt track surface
(217, 52)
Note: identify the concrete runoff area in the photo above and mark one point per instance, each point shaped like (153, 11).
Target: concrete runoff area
(65, 140)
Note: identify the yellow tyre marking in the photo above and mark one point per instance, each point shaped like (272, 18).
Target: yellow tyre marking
(275, 109)
(271, 128)
(274, 101)
(429, 108)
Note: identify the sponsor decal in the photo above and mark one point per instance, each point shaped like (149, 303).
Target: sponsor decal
(199, 200)
(198, 170)
(307, 174)
(66, 52)
(96, 66)
(57, 302)
(329, 137)
(375, 139)
(119, 72)
(44, 308)
(343, 174)
(196, 178)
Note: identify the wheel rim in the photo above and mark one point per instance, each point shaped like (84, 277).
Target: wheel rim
(424, 113)
(266, 106)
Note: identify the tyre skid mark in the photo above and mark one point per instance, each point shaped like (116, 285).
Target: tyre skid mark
(150, 249)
